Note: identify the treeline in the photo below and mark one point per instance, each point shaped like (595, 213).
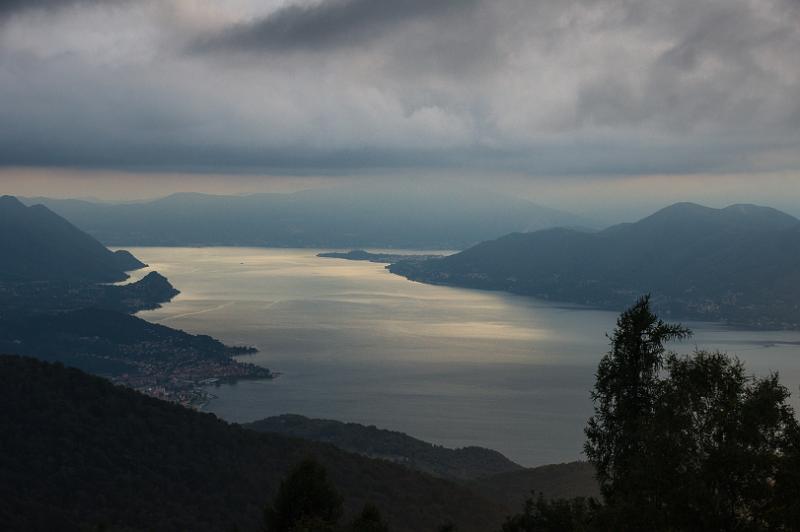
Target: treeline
(307, 501)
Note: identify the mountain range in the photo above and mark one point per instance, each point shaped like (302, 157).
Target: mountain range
(366, 216)
(740, 264)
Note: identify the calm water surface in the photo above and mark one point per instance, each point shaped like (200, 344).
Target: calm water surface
(451, 366)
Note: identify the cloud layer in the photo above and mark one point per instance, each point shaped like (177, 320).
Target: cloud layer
(541, 88)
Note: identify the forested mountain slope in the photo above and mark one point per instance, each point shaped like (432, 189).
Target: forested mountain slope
(740, 264)
(37, 244)
(80, 453)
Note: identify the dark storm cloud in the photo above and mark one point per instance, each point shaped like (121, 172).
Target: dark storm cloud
(9, 8)
(549, 87)
(327, 24)
(724, 66)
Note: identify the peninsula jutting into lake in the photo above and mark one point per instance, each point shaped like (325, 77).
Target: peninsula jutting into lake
(58, 313)
(386, 258)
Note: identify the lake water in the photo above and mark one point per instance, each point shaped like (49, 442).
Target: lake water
(451, 366)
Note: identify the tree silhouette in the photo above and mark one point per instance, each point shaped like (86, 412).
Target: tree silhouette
(560, 515)
(621, 432)
(306, 501)
(369, 520)
(688, 442)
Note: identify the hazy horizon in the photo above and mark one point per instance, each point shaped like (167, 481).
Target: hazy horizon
(601, 202)
(606, 109)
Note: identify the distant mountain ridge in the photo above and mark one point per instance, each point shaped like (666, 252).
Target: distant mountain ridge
(37, 244)
(353, 217)
(740, 264)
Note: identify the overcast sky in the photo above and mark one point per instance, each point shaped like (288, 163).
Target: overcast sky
(535, 94)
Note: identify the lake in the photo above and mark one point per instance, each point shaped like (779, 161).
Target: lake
(451, 366)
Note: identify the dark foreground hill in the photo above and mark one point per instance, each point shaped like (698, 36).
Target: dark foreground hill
(37, 244)
(79, 453)
(740, 264)
(460, 464)
(485, 471)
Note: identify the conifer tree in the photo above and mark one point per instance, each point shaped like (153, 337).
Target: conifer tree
(625, 398)
(306, 501)
(369, 520)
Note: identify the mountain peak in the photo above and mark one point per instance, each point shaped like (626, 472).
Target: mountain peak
(746, 207)
(37, 244)
(683, 214)
(750, 209)
(682, 208)
(691, 258)
(8, 201)
(741, 216)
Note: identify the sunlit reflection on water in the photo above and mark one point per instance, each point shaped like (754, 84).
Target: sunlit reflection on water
(452, 366)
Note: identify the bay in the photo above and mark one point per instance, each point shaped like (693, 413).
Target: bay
(452, 366)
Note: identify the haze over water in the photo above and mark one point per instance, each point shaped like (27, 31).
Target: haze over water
(451, 366)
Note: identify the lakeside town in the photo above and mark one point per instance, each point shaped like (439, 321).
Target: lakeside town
(186, 382)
